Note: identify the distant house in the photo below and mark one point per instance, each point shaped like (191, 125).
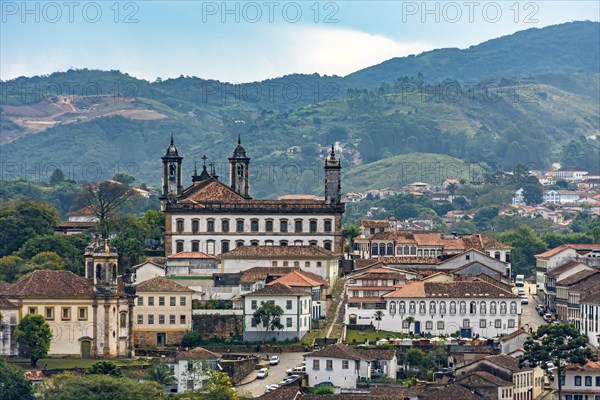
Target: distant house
(570, 174)
(518, 199)
(190, 368)
(191, 263)
(342, 366)
(147, 270)
(488, 385)
(590, 315)
(581, 382)
(560, 197)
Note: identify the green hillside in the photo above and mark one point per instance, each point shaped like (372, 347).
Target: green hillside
(399, 170)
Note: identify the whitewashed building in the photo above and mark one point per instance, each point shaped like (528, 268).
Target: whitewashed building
(473, 308)
(190, 368)
(590, 318)
(581, 382)
(147, 270)
(296, 318)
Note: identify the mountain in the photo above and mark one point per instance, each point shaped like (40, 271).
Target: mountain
(564, 48)
(111, 122)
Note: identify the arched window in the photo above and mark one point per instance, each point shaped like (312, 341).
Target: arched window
(422, 307)
(413, 250)
(375, 250)
(426, 252)
(269, 225)
(390, 249)
(493, 307)
(239, 225)
(463, 307)
(254, 225)
(313, 225)
(225, 225)
(312, 242)
(472, 307)
(224, 246)
(283, 225)
(393, 307)
(195, 226)
(283, 242)
(239, 243)
(240, 170)
(482, 309)
(513, 307)
(402, 307)
(452, 307)
(327, 225)
(179, 246)
(420, 252)
(327, 245)
(497, 255)
(179, 225)
(442, 307)
(297, 242)
(269, 243)
(503, 307)
(382, 249)
(123, 320)
(432, 307)
(412, 307)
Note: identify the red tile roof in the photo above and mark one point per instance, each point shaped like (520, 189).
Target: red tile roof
(278, 289)
(552, 252)
(564, 268)
(457, 289)
(191, 254)
(300, 279)
(339, 350)
(254, 274)
(271, 252)
(50, 283)
(198, 353)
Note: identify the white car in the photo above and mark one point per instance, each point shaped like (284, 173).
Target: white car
(274, 360)
(521, 292)
(549, 366)
(270, 388)
(262, 373)
(296, 369)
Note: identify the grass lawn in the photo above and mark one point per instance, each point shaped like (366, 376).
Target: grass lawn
(71, 363)
(372, 336)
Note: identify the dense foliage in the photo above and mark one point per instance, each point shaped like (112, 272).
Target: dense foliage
(33, 335)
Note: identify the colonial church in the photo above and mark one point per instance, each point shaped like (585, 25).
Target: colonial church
(212, 217)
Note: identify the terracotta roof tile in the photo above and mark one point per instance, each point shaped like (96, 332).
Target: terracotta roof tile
(7, 305)
(505, 361)
(339, 350)
(593, 298)
(254, 274)
(197, 353)
(283, 393)
(300, 279)
(577, 277)
(483, 379)
(456, 289)
(191, 254)
(552, 252)
(278, 289)
(563, 268)
(161, 284)
(271, 252)
(51, 283)
(385, 260)
(149, 262)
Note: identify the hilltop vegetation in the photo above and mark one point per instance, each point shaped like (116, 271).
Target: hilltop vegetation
(117, 123)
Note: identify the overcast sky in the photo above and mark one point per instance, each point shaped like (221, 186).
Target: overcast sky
(249, 41)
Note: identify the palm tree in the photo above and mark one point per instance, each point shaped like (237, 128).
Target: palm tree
(350, 232)
(409, 321)
(378, 315)
(161, 373)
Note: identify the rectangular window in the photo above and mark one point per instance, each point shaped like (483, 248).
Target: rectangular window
(151, 319)
(254, 323)
(254, 225)
(140, 301)
(429, 325)
(225, 225)
(224, 246)
(298, 226)
(327, 226)
(66, 314)
(498, 323)
(179, 246)
(440, 325)
(306, 264)
(578, 380)
(511, 323)
(598, 381)
(283, 226)
(179, 225)
(195, 246)
(239, 226)
(313, 226)
(288, 322)
(82, 313)
(32, 310)
(182, 319)
(210, 225)
(329, 365)
(150, 300)
(140, 319)
(173, 301)
(182, 301)
(269, 226)
(161, 319)
(161, 301)
(316, 364)
(246, 287)
(286, 263)
(588, 381)
(254, 305)
(195, 226)
(49, 313)
(344, 364)
(466, 323)
(482, 323)
(172, 319)
(319, 264)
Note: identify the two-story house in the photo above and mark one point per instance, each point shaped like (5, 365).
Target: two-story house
(547, 261)
(557, 274)
(581, 382)
(590, 318)
(191, 367)
(295, 319)
(569, 292)
(343, 366)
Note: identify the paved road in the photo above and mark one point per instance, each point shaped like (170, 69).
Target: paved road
(529, 316)
(276, 374)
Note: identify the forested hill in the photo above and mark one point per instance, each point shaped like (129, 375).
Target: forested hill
(110, 121)
(571, 47)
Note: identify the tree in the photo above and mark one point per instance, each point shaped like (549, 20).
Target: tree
(526, 244)
(533, 194)
(269, 315)
(10, 267)
(415, 357)
(350, 232)
(218, 387)
(61, 245)
(68, 386)
(484, 216)
(596, 234)
(409, 321)
(105, 199)
(104, 368)
(123, 178)
(378, 316)
(33, 334)
(161, 373)
(129, 240)
(13, 384)
(57, 176)
(154, 223)
(557, 343)
(24, 220)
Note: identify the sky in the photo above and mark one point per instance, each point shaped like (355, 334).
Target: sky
(251, 41)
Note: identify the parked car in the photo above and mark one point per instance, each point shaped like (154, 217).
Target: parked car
(296, 369)
(521, 292)
(550, 366)
(548, 318)
(270, 388)
(274, 360)
(262, 373)
(524, 300)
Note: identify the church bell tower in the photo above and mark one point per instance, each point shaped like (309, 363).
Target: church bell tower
(239, 180)
(333, 185)
(171, 179)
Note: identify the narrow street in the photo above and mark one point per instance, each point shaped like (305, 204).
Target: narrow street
(529, 316)
(276, 373)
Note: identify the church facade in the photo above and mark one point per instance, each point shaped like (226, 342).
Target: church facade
(212, 217)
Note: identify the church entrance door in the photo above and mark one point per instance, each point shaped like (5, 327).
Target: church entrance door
(85, 349)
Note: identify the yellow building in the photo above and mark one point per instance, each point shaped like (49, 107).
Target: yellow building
(88, 317)
(163, 312)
